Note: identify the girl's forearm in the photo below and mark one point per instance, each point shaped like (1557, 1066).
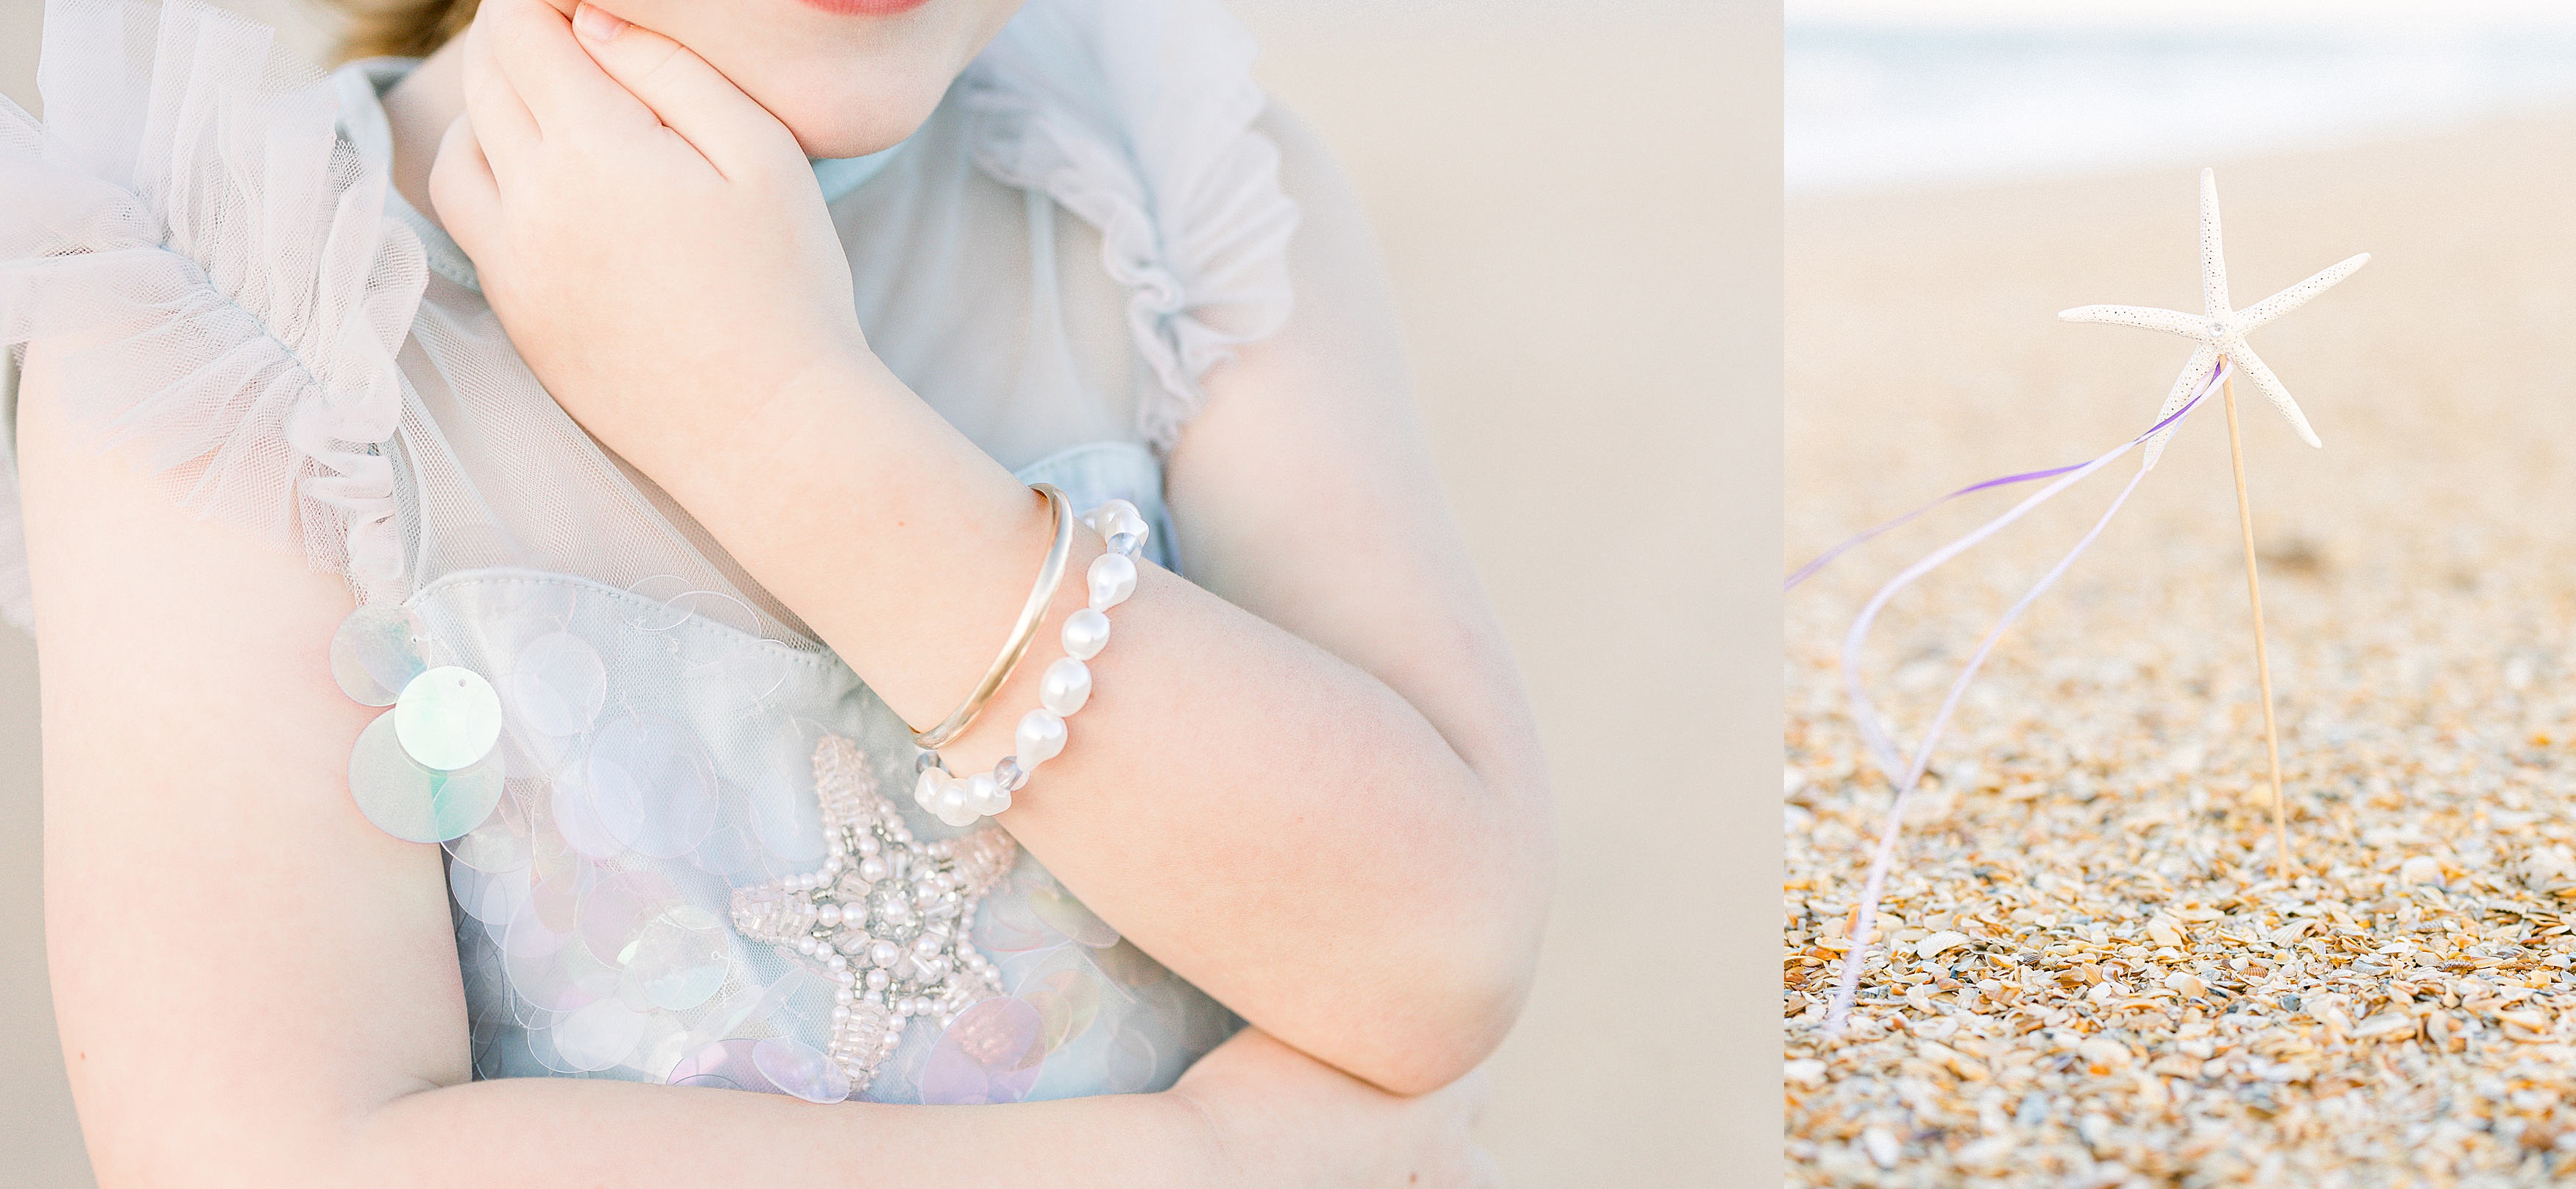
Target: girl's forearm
(550, 1132)
(1272, 822)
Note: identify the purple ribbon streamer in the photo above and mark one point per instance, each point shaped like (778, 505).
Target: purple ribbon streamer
(1823, 559)
(1906, 774)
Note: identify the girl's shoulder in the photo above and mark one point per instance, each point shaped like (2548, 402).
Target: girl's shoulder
(188, 222)
(1144, 119)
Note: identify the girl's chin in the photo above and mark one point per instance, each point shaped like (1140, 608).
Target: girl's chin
(831, 123)
(864, 8)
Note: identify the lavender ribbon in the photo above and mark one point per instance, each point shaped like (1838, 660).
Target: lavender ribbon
(1905, 773)
(1823, 559)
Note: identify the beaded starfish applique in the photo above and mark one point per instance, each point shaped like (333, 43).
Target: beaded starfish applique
(886, 916)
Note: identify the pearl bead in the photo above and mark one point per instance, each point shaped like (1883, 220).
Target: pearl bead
(881, 954)
(877, 981)
(900, 832)
(952, 802)
(872, 868)
(925, 791)
(983, 796)
(1041, 735)
(1113, 578)
(1066, 686)
(868, 845)
(840, 1015)
(831, 914)
(1086, 632)
(836, 962)
(925, 945)
(939, 849)
(1118, 516)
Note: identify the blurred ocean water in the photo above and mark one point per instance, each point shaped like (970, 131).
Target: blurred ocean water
(1883, 108)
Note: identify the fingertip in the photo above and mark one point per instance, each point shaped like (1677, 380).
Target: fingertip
(597, 25)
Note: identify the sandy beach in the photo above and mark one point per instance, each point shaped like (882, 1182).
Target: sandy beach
(2119, 991)
(1542, 179)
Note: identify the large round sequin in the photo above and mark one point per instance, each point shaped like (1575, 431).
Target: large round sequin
(1058, 908)
(1129, 1063)
(576, 817)
(549, 966)
(599, 1035)
(376, 652)
(1067, 1001)
(990, 1053)
(729, 846)
(723, 1065)
(675, 967)
(652, 784)
(557, 685)
(448, 717)
(500, 843)
(412, 801)
(800, 1070)
(616, 911)
(489, 897)
(1007, 925)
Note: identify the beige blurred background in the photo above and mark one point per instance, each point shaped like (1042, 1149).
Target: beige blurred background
(1580, 205)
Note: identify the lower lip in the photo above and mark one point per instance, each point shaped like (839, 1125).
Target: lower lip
(865, 8)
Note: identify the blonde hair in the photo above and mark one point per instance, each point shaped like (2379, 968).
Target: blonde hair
(401, 28)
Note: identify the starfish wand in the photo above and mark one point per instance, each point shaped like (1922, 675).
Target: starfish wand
(2262, 654)
(2220, 331)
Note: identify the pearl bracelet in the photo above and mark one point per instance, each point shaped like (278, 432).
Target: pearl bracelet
(1062, 689)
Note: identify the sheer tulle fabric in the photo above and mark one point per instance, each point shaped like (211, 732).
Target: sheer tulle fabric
(219, 269)
(1085, 226)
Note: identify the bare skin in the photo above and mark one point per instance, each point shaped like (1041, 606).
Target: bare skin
(1309, 784)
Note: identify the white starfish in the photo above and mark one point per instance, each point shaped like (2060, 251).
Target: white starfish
(2221, 330)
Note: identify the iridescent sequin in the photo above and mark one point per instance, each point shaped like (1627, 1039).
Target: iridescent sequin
(448, 718)
(596, 882)
(411, 800)
(376, 652)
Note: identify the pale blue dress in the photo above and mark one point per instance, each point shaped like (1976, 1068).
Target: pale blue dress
(1087, 223)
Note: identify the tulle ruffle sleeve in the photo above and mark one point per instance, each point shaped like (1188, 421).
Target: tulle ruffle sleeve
(218, 263)
(1138, 116)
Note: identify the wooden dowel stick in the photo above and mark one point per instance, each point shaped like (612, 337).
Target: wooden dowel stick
(2262, 655)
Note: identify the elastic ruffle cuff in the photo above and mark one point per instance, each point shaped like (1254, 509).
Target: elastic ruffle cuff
(217, 263)
(1137, 116)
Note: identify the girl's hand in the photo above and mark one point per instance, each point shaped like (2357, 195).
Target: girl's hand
(1283, 1118)
(652, 239)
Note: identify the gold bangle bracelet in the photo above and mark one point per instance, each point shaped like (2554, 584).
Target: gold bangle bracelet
(1050, 575)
